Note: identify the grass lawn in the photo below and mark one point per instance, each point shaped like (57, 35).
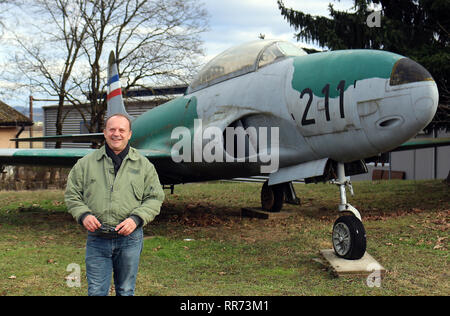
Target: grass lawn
(200, 245)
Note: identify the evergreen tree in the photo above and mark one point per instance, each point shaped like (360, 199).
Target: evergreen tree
(418, 29)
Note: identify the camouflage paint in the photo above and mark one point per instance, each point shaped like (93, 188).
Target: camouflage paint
(44, 153)
(314, 71)
(152, 130)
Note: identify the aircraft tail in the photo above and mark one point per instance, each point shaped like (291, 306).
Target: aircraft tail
(114, 96)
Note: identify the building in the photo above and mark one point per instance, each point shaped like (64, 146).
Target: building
(415, 164)
(426, 163)
(75, 124)
(12, 125)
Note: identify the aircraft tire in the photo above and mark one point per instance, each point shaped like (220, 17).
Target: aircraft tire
(349, 237)
(272, 197)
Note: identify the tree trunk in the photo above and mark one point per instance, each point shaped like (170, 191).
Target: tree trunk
(59, 115)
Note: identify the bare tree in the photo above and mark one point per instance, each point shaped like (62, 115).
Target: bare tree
(48, 62)
(3, 6)
(1, 24)
(156, 42)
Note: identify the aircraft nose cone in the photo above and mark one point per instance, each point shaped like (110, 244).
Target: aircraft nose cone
(424, 93)
(425, 107)
(407, 107)
(406, 70)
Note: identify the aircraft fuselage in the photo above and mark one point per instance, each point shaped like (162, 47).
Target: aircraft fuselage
(342, 105)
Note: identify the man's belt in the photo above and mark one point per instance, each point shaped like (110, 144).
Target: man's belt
(104, 231)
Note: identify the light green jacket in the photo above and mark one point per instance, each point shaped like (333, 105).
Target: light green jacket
(135, 190)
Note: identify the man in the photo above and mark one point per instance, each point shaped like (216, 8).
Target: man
(114, 192)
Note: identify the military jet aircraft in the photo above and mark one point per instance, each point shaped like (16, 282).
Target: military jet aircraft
(267, 107)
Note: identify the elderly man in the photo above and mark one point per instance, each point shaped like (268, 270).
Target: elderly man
(114, 192)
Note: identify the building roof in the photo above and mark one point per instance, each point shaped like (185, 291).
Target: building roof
(136, 103)
(12, 117)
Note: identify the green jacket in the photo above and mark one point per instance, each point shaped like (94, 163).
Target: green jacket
(93, 187)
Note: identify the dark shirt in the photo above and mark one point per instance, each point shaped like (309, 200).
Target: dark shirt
(117, 159)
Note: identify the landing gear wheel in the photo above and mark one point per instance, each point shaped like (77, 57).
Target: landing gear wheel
(349, 237)
(272, 197)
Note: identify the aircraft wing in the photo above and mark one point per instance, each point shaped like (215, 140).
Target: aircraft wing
(75, 138)
(64, 157)
(42, 157)
(423, 143)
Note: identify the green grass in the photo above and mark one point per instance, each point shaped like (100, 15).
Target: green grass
(199, 244)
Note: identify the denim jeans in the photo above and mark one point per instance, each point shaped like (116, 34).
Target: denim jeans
(117, 255)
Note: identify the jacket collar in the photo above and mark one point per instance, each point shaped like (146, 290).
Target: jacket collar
(101, 153)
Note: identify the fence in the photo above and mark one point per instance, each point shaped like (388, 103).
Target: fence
(33, 178)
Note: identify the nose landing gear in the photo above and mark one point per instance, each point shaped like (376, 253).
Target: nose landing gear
(349, 235)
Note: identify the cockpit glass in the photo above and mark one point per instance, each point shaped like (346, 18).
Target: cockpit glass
(242, 59)
(269, 55)
(278, 50)
(290, 49)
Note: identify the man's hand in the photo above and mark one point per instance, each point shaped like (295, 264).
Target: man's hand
(91, 223)
(126, 227)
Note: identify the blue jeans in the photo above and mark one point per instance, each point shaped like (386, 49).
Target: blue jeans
(117, 255)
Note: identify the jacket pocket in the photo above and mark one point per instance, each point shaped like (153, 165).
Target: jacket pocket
(138, 190)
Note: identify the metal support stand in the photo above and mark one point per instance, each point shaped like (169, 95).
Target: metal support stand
(289, 194)
(171, 187)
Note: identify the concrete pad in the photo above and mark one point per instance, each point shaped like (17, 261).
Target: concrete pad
(364, 267)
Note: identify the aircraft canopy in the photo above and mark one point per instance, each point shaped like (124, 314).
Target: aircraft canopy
(243, 59)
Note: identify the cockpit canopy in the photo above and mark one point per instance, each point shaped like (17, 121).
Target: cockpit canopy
(243, 59)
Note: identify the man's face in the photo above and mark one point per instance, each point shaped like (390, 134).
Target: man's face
(117, 133)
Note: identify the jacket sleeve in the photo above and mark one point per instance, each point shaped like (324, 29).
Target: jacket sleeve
(74, 193)
(153, 196)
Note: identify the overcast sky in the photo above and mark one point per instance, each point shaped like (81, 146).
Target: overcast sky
(237, 21)
(233, 22)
